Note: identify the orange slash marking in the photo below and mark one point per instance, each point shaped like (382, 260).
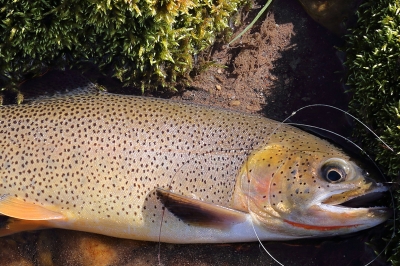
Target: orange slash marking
(320, 228)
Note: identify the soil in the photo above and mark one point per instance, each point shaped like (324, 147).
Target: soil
(285, 62)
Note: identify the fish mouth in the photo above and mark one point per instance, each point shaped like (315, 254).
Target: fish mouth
(368, 200)
(360, 200)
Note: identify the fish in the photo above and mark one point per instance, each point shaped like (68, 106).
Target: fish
(158, 170)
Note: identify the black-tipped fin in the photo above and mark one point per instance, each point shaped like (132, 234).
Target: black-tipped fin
(200, 213)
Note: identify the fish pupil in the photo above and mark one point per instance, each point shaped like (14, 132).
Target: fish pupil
(333, 176)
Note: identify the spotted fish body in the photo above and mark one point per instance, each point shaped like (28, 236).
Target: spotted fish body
(151, 169)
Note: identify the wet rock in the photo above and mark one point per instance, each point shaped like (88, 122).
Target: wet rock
(45, 248)
(332, 14)
(10, 255)
(72, 248)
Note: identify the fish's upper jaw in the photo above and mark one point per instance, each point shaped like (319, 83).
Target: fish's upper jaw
(357, 200)
(373, 191)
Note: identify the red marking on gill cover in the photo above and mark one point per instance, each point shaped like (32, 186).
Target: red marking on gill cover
(320, 228)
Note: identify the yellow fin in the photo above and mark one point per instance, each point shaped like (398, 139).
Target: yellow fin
(12, 226)
(17, 208)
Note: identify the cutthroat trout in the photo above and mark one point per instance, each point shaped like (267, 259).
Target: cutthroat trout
(158, 170)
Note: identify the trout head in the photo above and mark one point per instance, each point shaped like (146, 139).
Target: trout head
(302, 186)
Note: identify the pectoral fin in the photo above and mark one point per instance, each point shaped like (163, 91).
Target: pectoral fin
(17, 208)
(200, 213)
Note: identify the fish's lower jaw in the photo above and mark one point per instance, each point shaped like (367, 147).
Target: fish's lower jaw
(315, 231)
(324, 221)
(318, 228)
(354, 210)
(327, 220)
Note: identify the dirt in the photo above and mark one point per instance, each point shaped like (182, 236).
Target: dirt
(285, 62)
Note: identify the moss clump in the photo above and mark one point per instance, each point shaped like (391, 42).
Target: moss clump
(373, 50)
(143, 43)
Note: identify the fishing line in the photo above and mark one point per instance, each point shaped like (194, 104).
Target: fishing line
(345, 112)
(228, 151)
(159, 237)
(376, 166)
(251, 220)
(179, 169)
(262, 245)
(248, 150)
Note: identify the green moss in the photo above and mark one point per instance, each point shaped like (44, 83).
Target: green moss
(373, 50)
(145, 43)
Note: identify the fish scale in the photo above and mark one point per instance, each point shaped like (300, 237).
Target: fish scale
(103, 163)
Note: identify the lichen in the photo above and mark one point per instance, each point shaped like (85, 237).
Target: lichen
(373, 60)
(144, 43)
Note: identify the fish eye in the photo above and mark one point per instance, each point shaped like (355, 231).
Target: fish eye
(333, 175)
(335, 170)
